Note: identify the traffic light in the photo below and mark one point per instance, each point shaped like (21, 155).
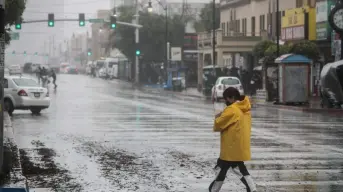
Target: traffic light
(89, 53)
(25, 53)
(51, 20)
(36, 53)
(113, 22)
(138, 52)
(82, 21)
(18, 24)
(13, 52)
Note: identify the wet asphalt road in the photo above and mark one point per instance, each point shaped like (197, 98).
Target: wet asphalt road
(103, 135)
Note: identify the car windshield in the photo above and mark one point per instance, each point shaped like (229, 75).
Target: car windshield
(23, 82)
(230, 81)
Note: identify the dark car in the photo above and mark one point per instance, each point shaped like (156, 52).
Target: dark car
(72, 70)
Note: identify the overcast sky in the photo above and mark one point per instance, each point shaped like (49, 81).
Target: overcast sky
(33, 36)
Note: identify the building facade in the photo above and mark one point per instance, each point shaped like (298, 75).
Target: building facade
(100, 35)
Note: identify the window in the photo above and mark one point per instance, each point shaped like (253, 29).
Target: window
(238, 26)
(24, 82)
(253, 26)
(230, 81)
(244, 26)
(299, 3)
(110, 64)
(227, 28)
(262, 22)
(5, 83)
(223, 28)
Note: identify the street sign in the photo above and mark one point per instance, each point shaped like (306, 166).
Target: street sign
(14, 35)
(96, 20)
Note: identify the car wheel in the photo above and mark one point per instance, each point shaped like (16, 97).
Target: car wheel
(35, 111)
(9, 106)
(216, 97)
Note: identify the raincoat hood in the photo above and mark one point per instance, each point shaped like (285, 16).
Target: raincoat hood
(244, 104)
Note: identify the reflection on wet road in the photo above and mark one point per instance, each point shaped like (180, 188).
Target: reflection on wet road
(110, 137)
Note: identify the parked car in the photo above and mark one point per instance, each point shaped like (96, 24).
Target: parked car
(14, 70)
(223, 83)
(72, 70)
(24, 93)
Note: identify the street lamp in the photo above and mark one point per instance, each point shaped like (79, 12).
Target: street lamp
(150, 7)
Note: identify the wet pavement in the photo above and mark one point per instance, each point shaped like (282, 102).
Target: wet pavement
(103, 135)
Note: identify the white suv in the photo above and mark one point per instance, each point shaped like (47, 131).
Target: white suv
(24, 93)
(223, 83)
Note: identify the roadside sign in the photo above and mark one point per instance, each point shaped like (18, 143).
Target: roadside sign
(14, 35)
(96, 20)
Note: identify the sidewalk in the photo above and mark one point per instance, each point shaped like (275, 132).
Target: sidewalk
(16, 179)
(313, 107)
(189, 92)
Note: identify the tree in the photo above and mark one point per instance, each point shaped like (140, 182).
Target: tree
(261, 47)
(271, 50)
(13, 11)
(205, 22)
(306, 48)
(151, 35)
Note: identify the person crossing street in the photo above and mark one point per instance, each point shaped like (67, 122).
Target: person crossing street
(234, 125)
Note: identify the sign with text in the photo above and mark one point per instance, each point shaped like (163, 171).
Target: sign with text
(323, 28)
(293, 33)
(176, 54)
(293, 20)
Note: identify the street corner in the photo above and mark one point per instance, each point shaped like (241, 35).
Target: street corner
(43, 172)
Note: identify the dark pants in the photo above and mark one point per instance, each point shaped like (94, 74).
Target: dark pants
(54, 81)
(237, 167)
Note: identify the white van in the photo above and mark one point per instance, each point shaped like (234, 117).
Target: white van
(111, 66)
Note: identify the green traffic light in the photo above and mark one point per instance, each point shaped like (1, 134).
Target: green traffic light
(89, 53)
(82, 23)
(138, 52)
(51, 24)
(18, 26)
(113, 26)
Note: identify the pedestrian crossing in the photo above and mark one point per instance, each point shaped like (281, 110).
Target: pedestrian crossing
(291, 151)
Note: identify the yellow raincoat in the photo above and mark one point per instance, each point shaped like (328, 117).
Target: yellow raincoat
(234, 125)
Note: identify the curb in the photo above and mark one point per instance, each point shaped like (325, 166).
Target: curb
(17, 180)
(157, 91)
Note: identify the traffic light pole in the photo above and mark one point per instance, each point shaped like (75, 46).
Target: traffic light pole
(2, 67)
(118, 22)
(137, 42)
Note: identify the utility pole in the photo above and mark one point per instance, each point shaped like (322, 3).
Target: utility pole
(278, 28)
(53, 46)
(166, 65)
(137, 43)
(2, 67)
(214, 35)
